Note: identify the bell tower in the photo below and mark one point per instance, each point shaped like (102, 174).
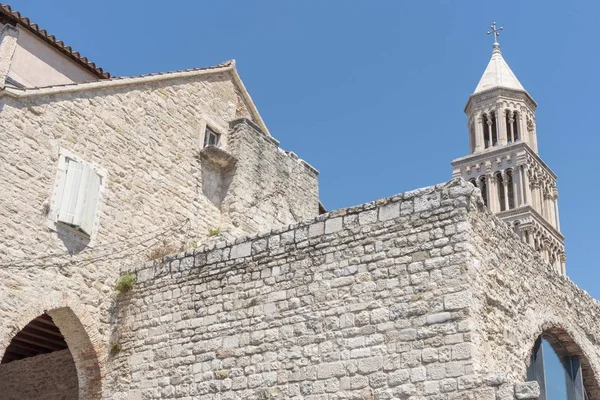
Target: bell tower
(503, 161)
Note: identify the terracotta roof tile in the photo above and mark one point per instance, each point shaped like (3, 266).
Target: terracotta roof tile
(16, 17)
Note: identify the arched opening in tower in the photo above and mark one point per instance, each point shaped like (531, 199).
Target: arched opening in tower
(508, 118)
(486, 121)
(500, 194)
(515, 127)
(483, 188)
(510, 189)
(38, 364)
(494, 140)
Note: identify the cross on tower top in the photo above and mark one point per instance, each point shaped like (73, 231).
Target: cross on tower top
(495, 31)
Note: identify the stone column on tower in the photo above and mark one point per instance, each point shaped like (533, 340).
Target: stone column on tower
(532, 133)
(539, 195)
(510, 128)
(525, 186)
(521, 126)
(550, 208)
(516, 177)
(478, 132)
(501, 125)
(556, 216)
(488, 121)
(493, 192)
(534, 196)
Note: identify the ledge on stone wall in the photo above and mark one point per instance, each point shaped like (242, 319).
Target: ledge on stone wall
(218, 157)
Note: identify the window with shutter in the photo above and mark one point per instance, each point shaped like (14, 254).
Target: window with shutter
(70, 194)
(78, 195)
(90, 205)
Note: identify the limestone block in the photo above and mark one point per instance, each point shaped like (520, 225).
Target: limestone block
(316, 229)
(333, 225)
(335, 369)
(439, 318)
(389, 211)
(426, 202)
(457, 301)
(495, 379)
(367, 217)
(527, 390)
(241, 250)
(505, 392)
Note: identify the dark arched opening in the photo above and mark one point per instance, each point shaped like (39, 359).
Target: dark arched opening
(483, 188)
(51, 357)
(494, 129)
(510, 189)
(40, 336)
(560, 368)
(486, 121)
(500, 194)
(38, 364)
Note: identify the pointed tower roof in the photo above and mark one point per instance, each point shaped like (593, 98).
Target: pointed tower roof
(498, 74)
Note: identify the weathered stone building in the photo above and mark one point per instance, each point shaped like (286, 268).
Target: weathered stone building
(243, 289)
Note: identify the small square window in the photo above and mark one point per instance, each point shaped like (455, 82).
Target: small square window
(211, 138)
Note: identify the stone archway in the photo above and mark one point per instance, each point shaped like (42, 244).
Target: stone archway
(82, 350)
(81, 337)
(564, 345)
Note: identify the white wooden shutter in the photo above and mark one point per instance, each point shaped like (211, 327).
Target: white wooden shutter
(90, 204)
(80, 196)
(70, 194)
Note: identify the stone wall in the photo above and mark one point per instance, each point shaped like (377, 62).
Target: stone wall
(269, 187)
(366, 302)
(148, 137)
(518, 296)
(48, 376)
(382, 301)
(424, 295)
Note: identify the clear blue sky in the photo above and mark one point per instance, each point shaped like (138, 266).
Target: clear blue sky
(372, 92)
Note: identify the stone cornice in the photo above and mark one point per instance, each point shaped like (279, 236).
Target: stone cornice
(541, 162)
(530, 211)
(499, 94)
(495, 152)
(488, 153)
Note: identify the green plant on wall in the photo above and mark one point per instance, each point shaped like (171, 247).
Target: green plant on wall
(125, 282)
(215, 231)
